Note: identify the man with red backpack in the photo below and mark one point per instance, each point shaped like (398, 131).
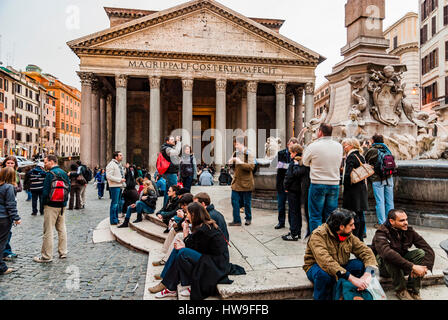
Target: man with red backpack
(380, 157)
(169, 153)
(54, 198)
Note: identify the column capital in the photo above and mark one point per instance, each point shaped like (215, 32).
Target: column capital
(154, 82)
(96, 86)
(221, 85)
(280, 87)
(187, 84)
(309, 88)
(121, 81)
(299, 91)
(252, 86)
(86, 78)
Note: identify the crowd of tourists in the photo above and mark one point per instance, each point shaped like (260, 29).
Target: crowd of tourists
(196, 252)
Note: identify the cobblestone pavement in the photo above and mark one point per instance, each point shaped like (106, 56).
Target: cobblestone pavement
(106, 270)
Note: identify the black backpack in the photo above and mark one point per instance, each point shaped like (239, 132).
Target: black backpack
(385, 165)
(186, 170)
(87, 174)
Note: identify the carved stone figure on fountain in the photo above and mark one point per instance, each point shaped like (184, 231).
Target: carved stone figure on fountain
(315, 123)
(272, 147)
(387, 92)
(358, 84)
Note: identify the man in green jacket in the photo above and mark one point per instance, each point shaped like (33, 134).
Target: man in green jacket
(327, 256)
(53, 213)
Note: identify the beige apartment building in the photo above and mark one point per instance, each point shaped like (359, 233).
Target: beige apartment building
(403, 36)
(321, 99)
(22, 118)
(433, 16)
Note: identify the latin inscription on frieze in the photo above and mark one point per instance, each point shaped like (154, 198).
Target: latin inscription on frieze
(202, 67)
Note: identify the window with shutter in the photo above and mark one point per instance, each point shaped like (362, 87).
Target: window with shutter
(434, 25)
(445, 15)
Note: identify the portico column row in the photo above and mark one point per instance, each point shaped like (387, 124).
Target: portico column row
(187, 110)
(95, 114)
(220, 145)
(298, 111)
(280, 89)
(309, 108)
(154, 122)
(103, 128)
(121, 82)
(86, 117)
(252, 87)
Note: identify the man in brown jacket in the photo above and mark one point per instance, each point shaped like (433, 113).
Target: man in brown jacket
(327, 256)
(391, 243)
(243, 164)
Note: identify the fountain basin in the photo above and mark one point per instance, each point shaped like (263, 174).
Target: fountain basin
(421, 189)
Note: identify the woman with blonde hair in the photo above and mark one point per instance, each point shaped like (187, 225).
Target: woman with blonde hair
(8, 211)
(355, 196)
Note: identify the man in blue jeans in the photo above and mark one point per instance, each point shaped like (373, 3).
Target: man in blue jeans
(324, 157)
(115, 179)
(170, 151)
(383, 186)
(327, 256)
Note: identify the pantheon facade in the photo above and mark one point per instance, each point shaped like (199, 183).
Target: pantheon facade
(152, 72)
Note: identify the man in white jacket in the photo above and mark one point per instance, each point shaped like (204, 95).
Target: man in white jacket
(115, 178)
(324, 157)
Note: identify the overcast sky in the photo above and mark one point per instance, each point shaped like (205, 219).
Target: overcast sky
(36, 32)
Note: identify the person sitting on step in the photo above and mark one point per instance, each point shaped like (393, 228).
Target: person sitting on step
(391, 243)
(147, 203)
(200, 261)
(172, 205)
(175, 233)
(327, 256)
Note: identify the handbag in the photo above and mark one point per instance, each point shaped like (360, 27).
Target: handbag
(361, 173)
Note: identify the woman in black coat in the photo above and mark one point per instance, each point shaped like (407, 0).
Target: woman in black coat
(293, 187)
(200, 261)
(130, 194)
(355, 196)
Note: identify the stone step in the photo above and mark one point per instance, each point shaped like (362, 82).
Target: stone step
(271, 285)
(148, 229)
(154, 255)
(153, 218)
(133, 240)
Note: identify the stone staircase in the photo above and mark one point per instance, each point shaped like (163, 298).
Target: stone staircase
(284, 283)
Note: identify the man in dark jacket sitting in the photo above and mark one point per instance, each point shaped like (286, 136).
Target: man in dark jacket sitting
(204, 199)
(391, 245)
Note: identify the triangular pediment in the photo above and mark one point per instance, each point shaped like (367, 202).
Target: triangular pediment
(201, 27)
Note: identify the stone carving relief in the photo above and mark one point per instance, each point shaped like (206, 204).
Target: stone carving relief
(309, 88)
(86, 78)
(272, 147)
(358, 84)
(280, 88)
(387, 92)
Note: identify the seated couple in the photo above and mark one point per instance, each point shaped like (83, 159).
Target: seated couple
(200, 261)
(327, 256)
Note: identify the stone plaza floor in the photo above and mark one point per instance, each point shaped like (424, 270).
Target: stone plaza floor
(108, 270)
